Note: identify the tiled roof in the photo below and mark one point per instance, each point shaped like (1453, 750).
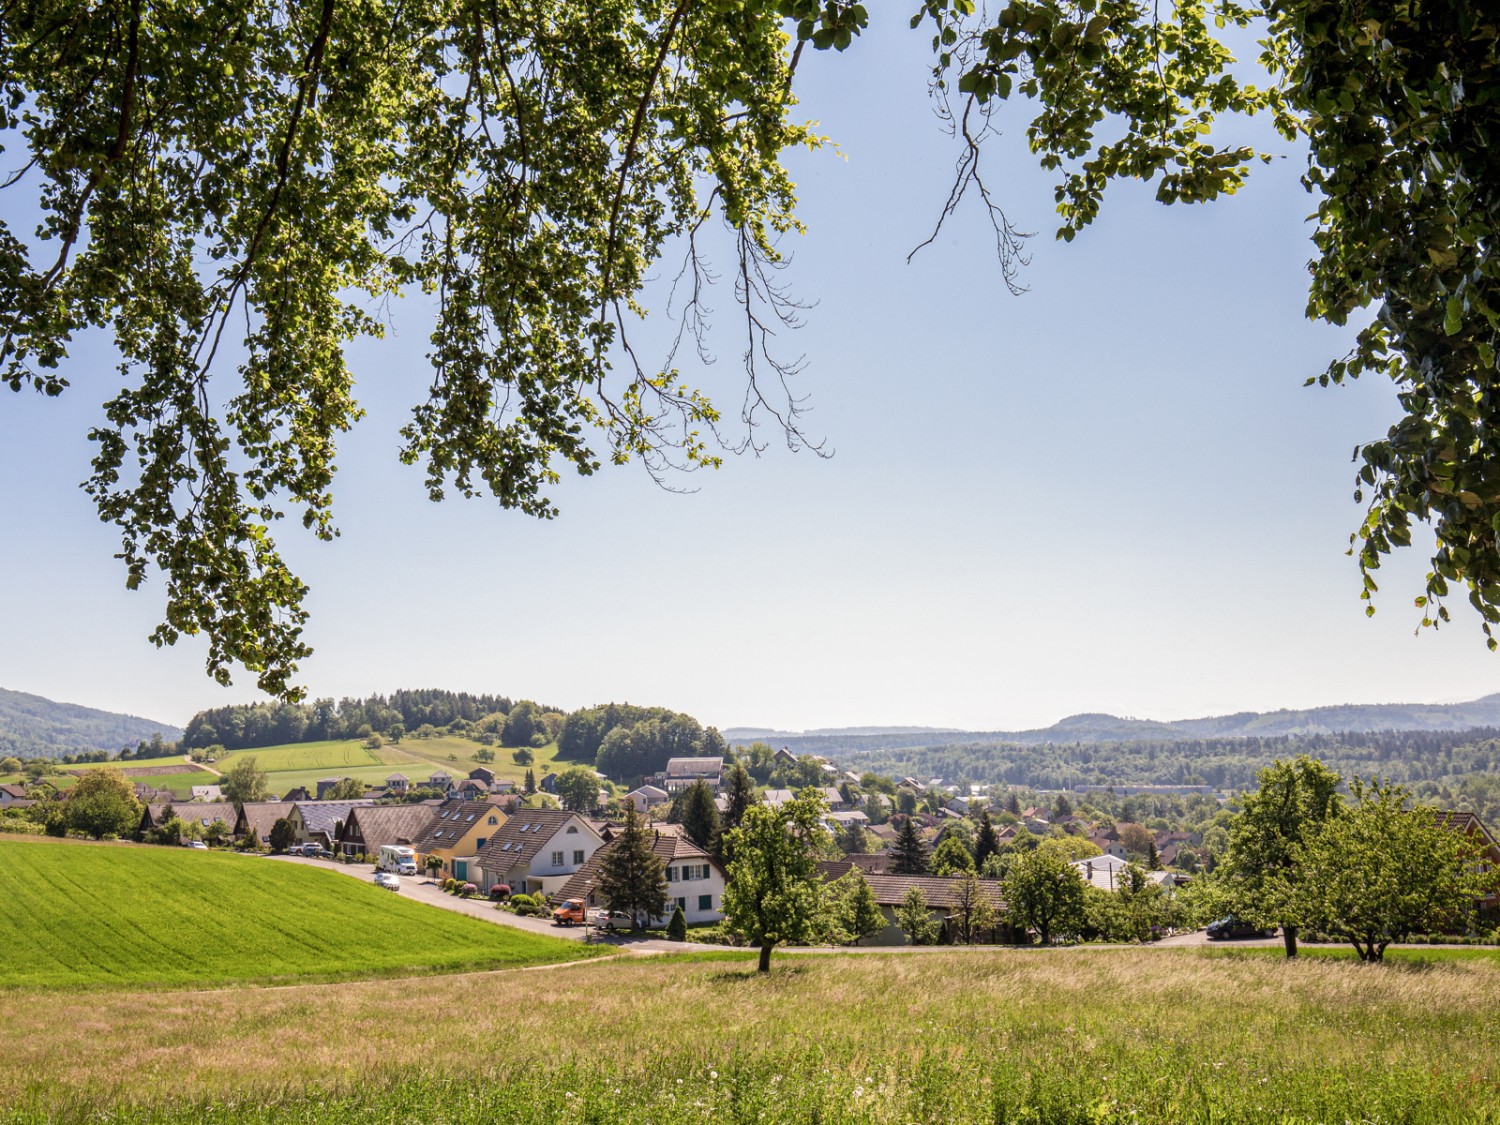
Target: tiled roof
(694, 767)
(14, 790)
(450, 821)
(521, 837)
(262, 816)
(324, 816)
(203, 812)
(941, 892)
(668, 843)
(378, 825)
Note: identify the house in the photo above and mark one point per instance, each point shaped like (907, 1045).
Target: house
(299, 793)
(548, 784)
(784, 757)
(1107, 872)
(371, 827)
(319, 822)
(144, 793)
(683, 772)
(201, 813)
(439, 780)
(648, 797)
(941, 893)
(837, 822)
(457, 833)
(834, 798)
(13, 796)
(206, 793)
(1108, 844)
(261, 816)
(398, 784)
(776, 797)
(325, 784)
(1471, 826)
(695, 881)
(537, 850)
(959, 805)
(479, 773)
(871, 863)
(470, 789)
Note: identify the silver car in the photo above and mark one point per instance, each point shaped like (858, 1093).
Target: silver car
(387, 880)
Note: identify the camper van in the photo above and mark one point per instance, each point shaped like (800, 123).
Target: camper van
(397, 858)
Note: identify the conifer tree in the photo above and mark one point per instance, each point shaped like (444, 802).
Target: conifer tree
(909, 856)
(632, 878)
(985, 842)
(696, 812)
(739, 788)
(530, 784)
(677, 927)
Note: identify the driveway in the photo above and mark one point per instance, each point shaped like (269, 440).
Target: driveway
(421, 889)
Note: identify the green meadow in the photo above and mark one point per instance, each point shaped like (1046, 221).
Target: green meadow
(79, 915)
(947, 1037)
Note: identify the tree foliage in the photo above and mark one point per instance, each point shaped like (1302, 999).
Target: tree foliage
(694, 809)
(1044, 892)
(1377, 871)
(908, 854)
(632, 877)
(259, 174)
(101, 804)
(773, 895)
(578, 789)
(245, 781)
(915, 919)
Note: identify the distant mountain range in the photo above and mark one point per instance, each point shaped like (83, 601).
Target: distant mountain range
(1352, 717)
(33, 727)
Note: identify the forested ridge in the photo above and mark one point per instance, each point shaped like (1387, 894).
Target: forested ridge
(31, 727)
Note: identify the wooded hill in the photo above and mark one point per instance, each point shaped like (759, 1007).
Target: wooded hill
(34, 727)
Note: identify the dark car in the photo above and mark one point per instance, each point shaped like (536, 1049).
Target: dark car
(1232, 927)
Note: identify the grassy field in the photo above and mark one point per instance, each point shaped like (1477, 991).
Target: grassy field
(1057, 1037)
(82, 916)
(305, 763)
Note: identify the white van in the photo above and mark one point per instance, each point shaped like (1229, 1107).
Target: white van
(397, 858)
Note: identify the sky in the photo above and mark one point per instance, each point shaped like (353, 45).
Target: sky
(1110, 493)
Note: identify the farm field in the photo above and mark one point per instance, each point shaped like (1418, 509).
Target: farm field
(306, 762)
(1054, 1037)
(86, 916)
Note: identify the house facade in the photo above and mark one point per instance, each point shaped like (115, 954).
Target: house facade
(683, 772)
(370, 828)
(457, 833)
(536, 850)
(320, 822)
(695, 881)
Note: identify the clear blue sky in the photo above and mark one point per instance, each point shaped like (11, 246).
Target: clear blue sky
(1111, 493)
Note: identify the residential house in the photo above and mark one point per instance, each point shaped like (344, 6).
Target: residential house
(458, 831)
(479, 773)
(548, 784)
(439, 780)
(959, 805)
(871, 863)
(695, 881)
(683, 772)
(784, 757)
(835, 799)
(775, 798)
(470, 789)
(319, 822)
(536, 850)
(648, 797)
(144, 793)
(1107, 844)
(837, 822)
(1471, 826)
(371, 827)
(261, 816)
(13, 796)
(940, 892)
(206, 793)
(1107, 872)
(297, 793)
(398, 784)
(325, 784)
(201, 813)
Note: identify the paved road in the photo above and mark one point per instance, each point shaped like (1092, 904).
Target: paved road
(425, 890)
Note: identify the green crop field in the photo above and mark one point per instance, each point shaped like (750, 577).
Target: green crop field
(947, 1037)
(81, 915)
(338, 756)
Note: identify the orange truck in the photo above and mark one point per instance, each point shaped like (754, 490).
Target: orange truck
(569, 912)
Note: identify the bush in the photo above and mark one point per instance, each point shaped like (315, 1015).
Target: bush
(499, 892)
(449, 885)
(468, 890)
(677, 927)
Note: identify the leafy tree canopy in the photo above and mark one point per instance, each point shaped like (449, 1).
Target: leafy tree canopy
(261, 174)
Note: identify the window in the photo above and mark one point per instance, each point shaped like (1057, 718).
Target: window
(572, 830)
(479, 843)
(705, 902)
(682, 902)
(557, 859)
(671, 874)
(494, 821)
(578, 855)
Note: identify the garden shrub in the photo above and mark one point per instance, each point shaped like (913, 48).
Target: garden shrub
(499, 892)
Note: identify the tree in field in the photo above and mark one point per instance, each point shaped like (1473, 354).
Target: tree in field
(1044, 892)
(915, 919)
(1293, 801)
(973, 913)
(244, 781)
(521, 722)
(523, 757)
(578, 789)
(695, 810)
(103, 803)
(986, 843)
(773, 895)
(1376, 871)
(632, 877)
(10, 765)
(909, 854)
(283, 836)
(484, 755)
(950, 857)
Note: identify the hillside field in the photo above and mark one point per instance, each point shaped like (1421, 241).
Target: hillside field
(82, 915)
(946, 1037)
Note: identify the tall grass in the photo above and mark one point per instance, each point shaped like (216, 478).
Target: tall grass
(1057, 1038)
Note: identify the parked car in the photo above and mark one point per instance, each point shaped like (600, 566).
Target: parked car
(196, 845)
(314, 851)
(387, 880)
(570, 912)
(612, 919)
(1231, 927)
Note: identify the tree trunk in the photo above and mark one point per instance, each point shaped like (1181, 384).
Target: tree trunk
(765, 958)
(1289, 939)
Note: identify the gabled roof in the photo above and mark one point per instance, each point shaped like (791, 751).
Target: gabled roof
(650, 792)
(776, 797)
(378, 825)
(261, 816)
(451, 820)
(526, 834)
(1471, 825)
(668, 843)
(324, 816)
(13, 790)
(203, 812)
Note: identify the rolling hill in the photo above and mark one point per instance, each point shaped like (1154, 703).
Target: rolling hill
(34, 727)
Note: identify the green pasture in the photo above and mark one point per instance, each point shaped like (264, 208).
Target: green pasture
(80, 916)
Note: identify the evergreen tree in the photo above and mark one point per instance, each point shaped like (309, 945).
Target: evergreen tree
(282, 835)
(739, 788)
(986, 843)
(1153, 858)
(632, 878)
(1063, 808)
(529, 786)
(695, 810)
(855, 840)
(909, 855)
(252, 841)
(677, 927)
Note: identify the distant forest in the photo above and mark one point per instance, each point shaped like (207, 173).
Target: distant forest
(34, 727)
